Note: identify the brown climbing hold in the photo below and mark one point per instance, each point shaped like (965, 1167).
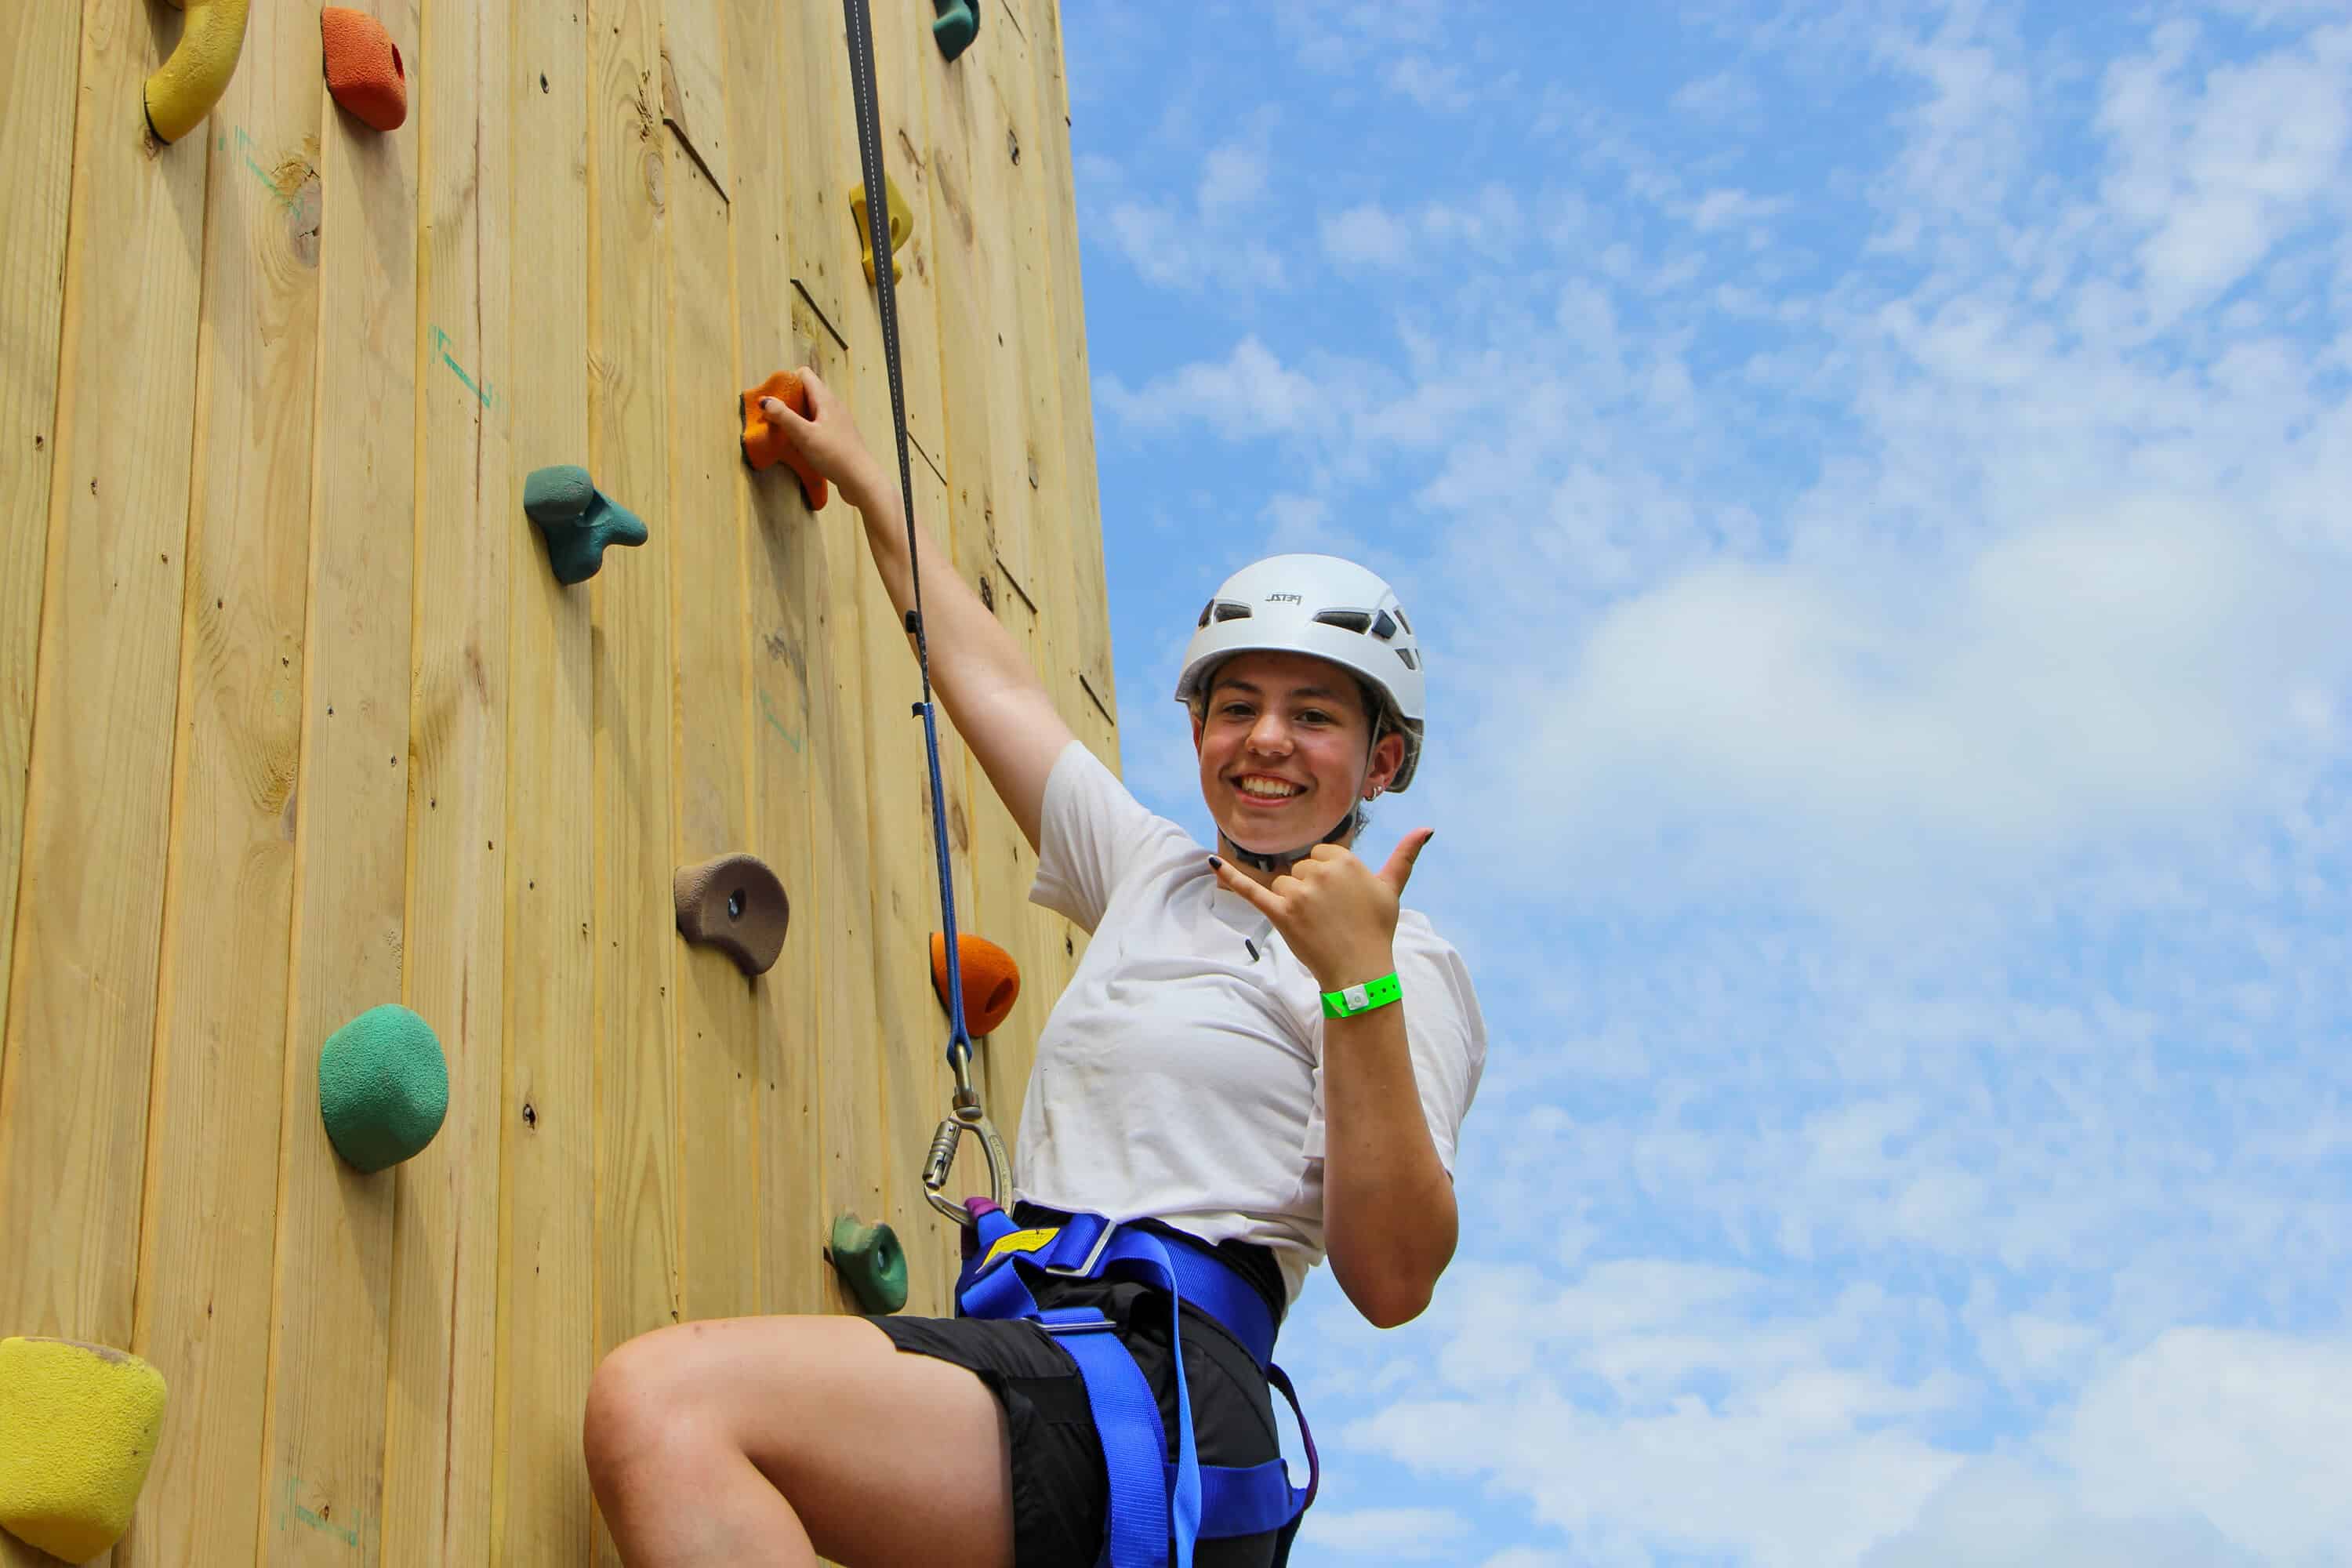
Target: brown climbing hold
(364, 68)
(735, 904)
(992, 981)
(764, 444)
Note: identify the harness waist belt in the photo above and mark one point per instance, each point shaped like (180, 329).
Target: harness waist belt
(1158, 1506)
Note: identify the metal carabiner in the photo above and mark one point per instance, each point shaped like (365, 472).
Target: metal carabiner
(965, 1118)
(966, 1115)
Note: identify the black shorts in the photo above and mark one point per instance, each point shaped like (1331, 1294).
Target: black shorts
(1060, 1491)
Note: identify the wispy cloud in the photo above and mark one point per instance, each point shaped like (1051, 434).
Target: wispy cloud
(1389, 1534)
(1247, 395)
(1440, 89)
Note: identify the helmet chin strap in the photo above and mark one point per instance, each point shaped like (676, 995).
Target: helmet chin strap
(1278, 864)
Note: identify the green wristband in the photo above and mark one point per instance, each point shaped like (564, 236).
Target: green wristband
(1354, 999)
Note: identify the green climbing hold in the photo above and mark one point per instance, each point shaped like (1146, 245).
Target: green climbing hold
(871, 1262)
(955, 24)
(577, 520)
(384, 1086)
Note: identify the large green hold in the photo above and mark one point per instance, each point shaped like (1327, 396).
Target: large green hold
(577, 520)
(384, 1086)
(954, 24)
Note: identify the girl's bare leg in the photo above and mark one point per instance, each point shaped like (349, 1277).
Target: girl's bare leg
(774, 1440)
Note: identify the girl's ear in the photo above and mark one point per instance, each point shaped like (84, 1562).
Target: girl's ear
(1388, 756)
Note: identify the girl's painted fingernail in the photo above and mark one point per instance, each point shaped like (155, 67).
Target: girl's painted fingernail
(1215, 861)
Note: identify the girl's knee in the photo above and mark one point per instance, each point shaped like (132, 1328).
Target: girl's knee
(634, 1404)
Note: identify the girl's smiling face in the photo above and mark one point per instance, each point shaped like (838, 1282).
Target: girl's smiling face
(1282, 744)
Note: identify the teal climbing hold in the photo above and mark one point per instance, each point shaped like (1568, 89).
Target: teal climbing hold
(384, 1086)
(577, 519)
(955, 24)
(871, 1262)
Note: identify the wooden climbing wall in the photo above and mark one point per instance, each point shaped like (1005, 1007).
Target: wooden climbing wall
(295, 721)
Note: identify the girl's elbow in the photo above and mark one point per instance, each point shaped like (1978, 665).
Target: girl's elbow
(1392, 1300)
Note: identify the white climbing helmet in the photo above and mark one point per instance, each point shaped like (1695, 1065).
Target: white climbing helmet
(1322, 606)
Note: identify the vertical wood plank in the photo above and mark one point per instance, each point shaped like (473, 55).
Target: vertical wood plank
(212, 1178)
(916, 1080)
(79, 1030)
(972, 135)
(716, 1029)
(958, 270)
(637, 1190)
(40, 61)
(850, 1124)
(330, 1348)
(1081, 558)
(438, 1438)
(1027, 208)
(693, 104)
(540, 1506)
(780, 538)
(819, 235)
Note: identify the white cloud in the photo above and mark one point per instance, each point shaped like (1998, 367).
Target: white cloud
(1213, 241)
(2248, 1429)
(1385, 1534)
(1247, 396)
(1723, 207)
(1433, 86)
(1998, 1512)
(1232, 177)
(1367, 234)
(1175, 250)
(1721, 95)
(2216, 178)
(2109, 673)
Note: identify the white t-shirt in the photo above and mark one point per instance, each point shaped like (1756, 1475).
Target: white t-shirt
(1178, 1077)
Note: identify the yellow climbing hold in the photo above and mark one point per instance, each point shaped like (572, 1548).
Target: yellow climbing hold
(902, 228)
(185, 90)
(78, 1429)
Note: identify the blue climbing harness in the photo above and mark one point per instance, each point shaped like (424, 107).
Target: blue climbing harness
(1159, 1506)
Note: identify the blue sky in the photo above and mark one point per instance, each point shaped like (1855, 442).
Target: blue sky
(1873, 480)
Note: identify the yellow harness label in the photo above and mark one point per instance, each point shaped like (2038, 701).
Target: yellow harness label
(1020, 1241)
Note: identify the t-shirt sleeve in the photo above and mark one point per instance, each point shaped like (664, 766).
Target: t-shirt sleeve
(1446, 1030)
(1091, 833)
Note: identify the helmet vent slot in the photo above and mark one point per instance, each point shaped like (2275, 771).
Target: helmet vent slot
(1347, 620)
(1410, 662)
(1226, 610)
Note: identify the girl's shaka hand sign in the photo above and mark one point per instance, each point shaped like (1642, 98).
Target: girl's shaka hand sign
(1337, 914)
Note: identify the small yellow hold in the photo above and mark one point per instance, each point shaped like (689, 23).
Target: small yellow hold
(902, 228)
(78, 1426)
(183, 93)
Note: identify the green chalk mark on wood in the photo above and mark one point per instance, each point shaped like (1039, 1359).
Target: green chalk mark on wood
(768, 711)
(441, 346)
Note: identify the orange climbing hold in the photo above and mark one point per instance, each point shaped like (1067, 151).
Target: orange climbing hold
(364, 68)
(992, 981)
(764, 444)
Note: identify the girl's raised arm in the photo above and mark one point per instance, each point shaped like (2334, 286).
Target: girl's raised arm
(985, 681)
